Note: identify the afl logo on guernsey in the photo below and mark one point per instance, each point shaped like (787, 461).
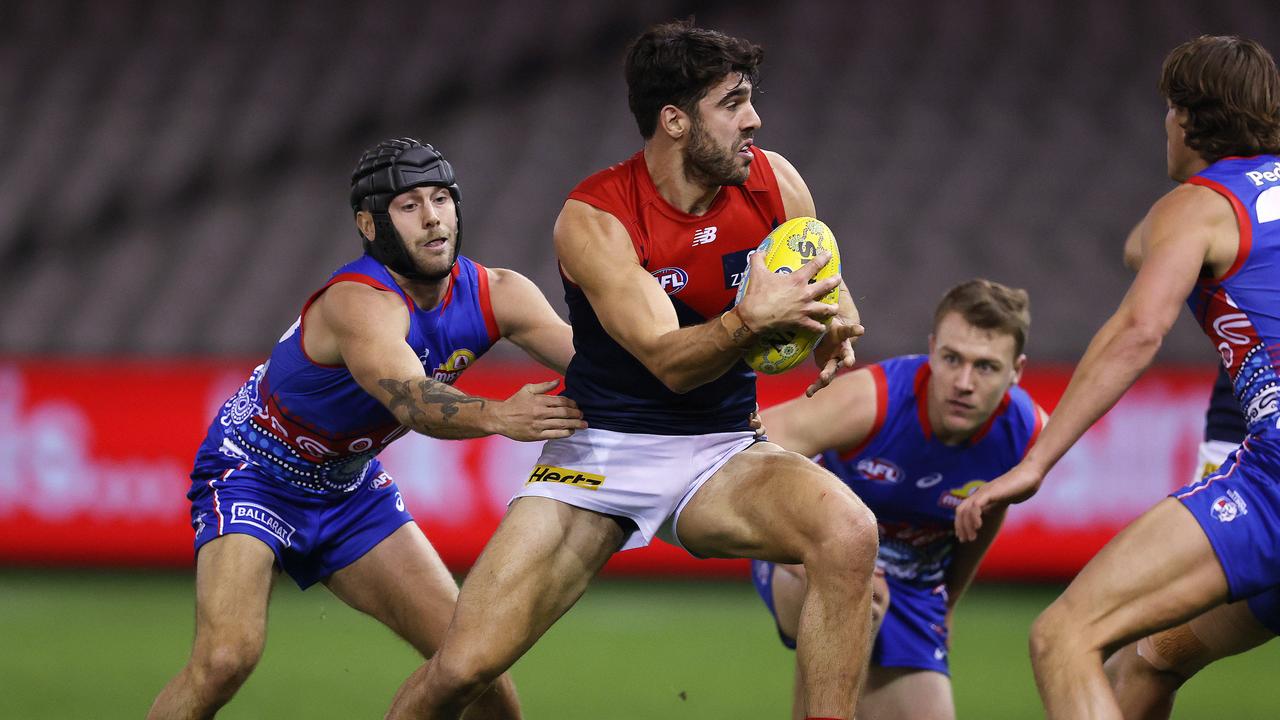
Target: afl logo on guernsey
(380, 481)
(879, 470)
(671, 279)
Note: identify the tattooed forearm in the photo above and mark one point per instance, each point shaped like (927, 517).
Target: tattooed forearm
(446, 397)
(415, 410)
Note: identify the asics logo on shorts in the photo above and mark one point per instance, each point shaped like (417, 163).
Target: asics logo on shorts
(576, 478)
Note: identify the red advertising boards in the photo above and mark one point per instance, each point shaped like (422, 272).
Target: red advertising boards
(94, 458)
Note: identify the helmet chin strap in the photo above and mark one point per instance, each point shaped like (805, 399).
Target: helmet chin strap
(383, 172)
(387, 247)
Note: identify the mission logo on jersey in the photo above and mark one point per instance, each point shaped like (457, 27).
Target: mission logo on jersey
(953, 497)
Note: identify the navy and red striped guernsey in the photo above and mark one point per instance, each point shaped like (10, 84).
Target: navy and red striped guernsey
(1240, 311)
(699, 261)
(311, 425)
(912, 481)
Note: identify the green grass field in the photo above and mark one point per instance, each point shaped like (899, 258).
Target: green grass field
(100, 645)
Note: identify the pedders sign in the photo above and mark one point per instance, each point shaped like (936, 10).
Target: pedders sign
(94, 457)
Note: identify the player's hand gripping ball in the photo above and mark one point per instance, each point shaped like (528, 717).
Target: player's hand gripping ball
(791, 245)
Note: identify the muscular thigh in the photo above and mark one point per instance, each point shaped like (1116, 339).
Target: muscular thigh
(536, 565)
(403, 583)
(234, 575)
(1159, 571)
(763, 504)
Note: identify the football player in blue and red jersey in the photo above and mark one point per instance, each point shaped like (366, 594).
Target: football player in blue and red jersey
(913, 436)
(1147, 674)
(288, 476)
(1213, 243)
(652, 251)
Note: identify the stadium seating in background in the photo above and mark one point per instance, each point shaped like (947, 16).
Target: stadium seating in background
(173, 176)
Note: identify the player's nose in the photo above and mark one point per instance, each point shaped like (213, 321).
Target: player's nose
(430, 215)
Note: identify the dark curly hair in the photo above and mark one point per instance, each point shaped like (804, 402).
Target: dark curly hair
(989, 305)
(676, 63)
(1231, 92)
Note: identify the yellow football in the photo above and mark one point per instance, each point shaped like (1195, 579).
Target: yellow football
(791, 245)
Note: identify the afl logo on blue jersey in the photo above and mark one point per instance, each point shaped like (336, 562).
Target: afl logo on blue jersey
(671, 279)
(879, 470)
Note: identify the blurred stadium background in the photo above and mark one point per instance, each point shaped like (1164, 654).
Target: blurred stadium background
(173, 182)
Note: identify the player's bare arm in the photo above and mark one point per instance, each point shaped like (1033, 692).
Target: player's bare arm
(835, 350)
(839, 419)
(526, 318)
(364, 329)
(596, 253)
(967, 556)
(1133, 246)
(1190, 229)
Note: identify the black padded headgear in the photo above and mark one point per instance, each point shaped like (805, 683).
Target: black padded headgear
(383, 172)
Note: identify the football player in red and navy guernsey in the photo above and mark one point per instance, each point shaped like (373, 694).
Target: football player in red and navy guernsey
(912, 436)
(652, 251)
(288, 476)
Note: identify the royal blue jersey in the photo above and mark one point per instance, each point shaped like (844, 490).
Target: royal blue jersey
(912, 481)
(311, 425)
(1240, 311)
(699, 261)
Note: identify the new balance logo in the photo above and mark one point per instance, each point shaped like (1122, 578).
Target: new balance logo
(704, 236)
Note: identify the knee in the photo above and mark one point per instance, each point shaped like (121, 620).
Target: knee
(223, 665)
(1055, 632)
(844, 537)
(462, 675)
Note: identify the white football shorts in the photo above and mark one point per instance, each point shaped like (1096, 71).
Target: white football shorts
(646, 478)
(1210, 457)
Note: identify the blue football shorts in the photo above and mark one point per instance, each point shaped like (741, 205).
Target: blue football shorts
(312, 536)
(1238, 507)
(914, 631)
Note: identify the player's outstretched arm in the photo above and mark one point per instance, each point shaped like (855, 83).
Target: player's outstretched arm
(526, 318)
(966, 557)
(595, 252)
(368, 327)
(1185, 230)
(839, 419)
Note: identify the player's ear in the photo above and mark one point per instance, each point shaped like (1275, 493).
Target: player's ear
(364, 223)
(1018, 366)
(930, 344)
(674, 122)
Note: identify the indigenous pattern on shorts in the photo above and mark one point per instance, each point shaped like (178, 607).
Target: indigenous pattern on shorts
(1240, 311)
(912, 481)
(699, 261)
(312, 425)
